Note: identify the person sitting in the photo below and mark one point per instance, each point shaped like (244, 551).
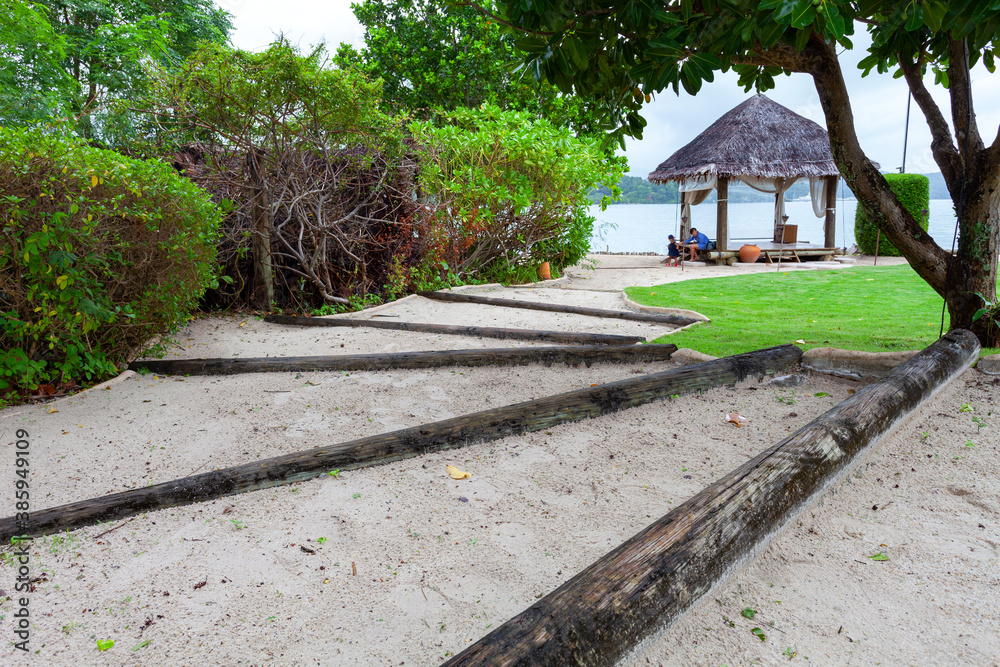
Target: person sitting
(696, 242)
(673, 252)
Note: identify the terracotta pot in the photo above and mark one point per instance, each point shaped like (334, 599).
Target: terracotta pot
(749, 253)
(543, 271)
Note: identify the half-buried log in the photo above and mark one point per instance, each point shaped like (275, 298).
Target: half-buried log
(510, 356)
(601, 614)
(452, 433)
(578, 338)
(658, 318)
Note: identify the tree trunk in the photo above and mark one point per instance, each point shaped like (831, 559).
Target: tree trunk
(600, 615)
(514, 356)
(974, 267)
(263, 280)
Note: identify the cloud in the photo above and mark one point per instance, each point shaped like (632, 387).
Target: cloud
(878, 101)
(303, 22)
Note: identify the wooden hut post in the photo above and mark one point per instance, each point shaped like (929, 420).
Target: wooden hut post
(722, 213)
(830, 225)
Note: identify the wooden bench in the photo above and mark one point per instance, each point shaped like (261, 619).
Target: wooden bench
(783, 253)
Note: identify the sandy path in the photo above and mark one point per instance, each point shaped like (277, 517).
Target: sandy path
(440, 562)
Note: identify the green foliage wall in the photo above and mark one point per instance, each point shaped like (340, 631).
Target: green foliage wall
(99, 254)
(504, 191)
(913, 191)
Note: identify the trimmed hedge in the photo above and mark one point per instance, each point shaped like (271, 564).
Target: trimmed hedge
(99, 255)
(913, 191)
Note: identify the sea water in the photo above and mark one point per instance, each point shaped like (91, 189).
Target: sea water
(644, 227)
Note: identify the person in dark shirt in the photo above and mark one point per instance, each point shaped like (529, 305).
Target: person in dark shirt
(673, 252)
(696, 242)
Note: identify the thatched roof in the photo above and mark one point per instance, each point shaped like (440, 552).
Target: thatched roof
(757, 138)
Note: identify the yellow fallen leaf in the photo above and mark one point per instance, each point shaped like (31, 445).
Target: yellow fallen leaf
(93, 181)
(243, 324)
(51, 410)
(457, 474)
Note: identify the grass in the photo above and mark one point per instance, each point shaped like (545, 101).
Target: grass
(874, 309)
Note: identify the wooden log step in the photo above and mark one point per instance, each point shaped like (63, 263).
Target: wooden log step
(452, 433)
(659, 318)
(578, 338)
(600, 615)
(509, 356)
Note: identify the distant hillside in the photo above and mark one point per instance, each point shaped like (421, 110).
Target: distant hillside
(636, 190)
(938, 189)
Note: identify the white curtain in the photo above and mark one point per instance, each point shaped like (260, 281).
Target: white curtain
(693, 192)
(817, 192)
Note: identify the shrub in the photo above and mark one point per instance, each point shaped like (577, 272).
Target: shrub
(504, 191)
(913, 191)
(99, 255)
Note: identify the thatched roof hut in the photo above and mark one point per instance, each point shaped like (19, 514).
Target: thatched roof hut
(763, 144)
(758, 138)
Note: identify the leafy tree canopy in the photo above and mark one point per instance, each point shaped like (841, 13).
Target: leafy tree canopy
(70, 56)
(432, 56)
(621, 51)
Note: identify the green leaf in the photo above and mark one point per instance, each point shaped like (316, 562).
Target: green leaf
(834, 20)
(820, 394)
(577, 53)
(758, 633)
(879, 556)
(748, 613)
(781, 8)
(803, 15)
(105, 644)
(142, 644)
(979, 313)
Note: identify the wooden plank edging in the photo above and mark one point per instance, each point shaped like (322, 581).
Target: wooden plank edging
(509, 356)
(577, 338)
(599, 616)
(407, 443)
(658, 318)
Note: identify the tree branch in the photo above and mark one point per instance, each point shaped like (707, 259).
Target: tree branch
(864, 179)
(960, 89)
(943, 148)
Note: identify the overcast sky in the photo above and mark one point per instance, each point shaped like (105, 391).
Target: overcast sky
(879, 101)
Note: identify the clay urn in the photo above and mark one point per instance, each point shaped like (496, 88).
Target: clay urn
(749, 253)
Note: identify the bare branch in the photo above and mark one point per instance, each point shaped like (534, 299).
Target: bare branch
(942, 146)
(960, 89)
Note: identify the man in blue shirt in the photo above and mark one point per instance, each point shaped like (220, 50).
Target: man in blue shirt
(698, 241)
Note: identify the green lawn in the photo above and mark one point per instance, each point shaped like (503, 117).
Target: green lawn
(877, 309)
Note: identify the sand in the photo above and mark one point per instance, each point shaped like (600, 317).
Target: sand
(400, 564)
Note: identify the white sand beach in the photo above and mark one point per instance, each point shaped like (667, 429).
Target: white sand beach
(401, 564)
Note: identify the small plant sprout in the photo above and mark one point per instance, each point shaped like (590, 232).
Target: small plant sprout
(321, 540)
(356, 496)
(237, 523)
(965, 408)
(969, 443)
(790, 652)
(334, 473)
(787, 400)
(980, 423)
